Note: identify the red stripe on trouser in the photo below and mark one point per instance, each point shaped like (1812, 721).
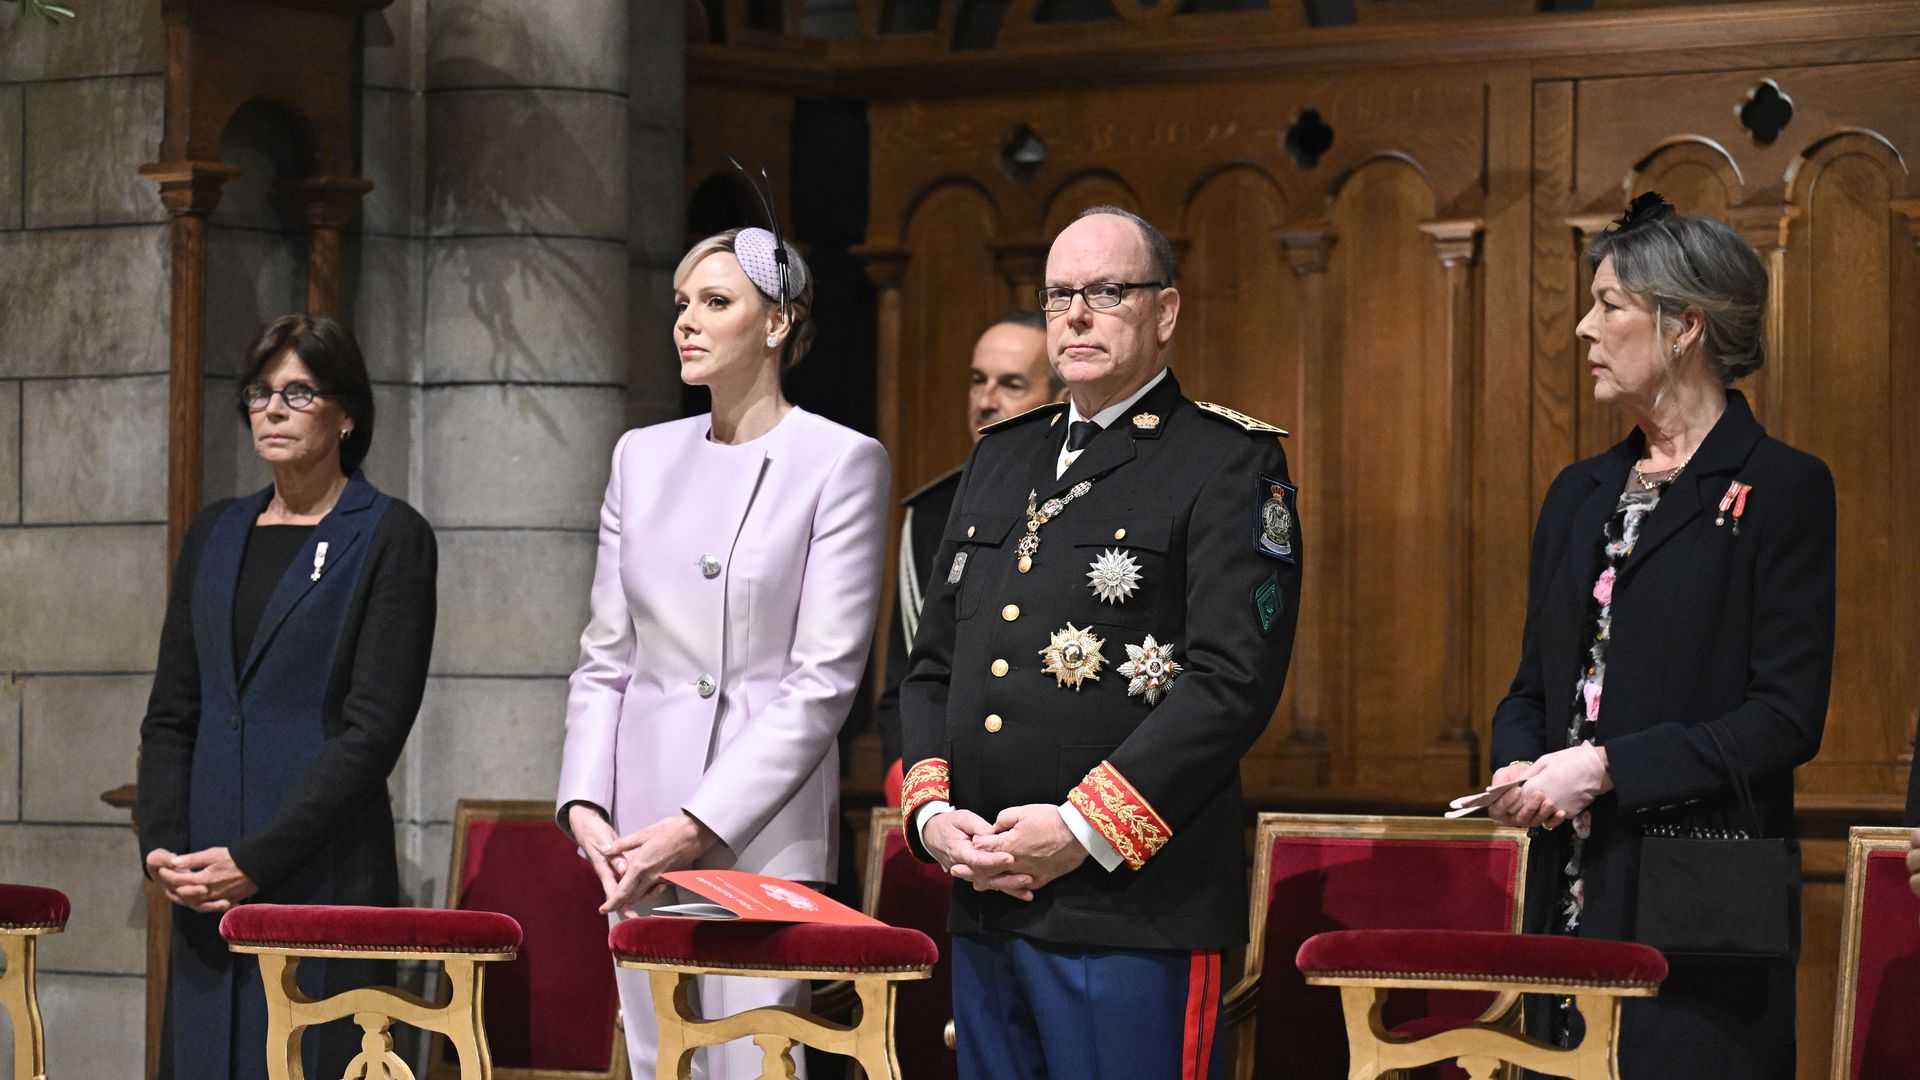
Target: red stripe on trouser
(1203, 1012)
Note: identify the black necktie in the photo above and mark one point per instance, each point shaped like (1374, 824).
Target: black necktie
(1079, 434)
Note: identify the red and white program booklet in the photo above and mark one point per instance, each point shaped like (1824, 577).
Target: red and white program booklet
(737, 895)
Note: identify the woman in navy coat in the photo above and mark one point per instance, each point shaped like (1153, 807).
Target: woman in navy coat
(1682, 583)
(291, 666)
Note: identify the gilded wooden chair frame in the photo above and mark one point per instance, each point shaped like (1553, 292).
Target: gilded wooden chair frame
(465, 813)
(1861, 841)
(1242, 999)
(20, 997)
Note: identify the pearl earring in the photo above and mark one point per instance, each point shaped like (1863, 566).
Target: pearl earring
(772, 341)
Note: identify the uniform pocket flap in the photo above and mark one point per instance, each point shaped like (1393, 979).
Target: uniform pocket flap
(990, 529)
(1145, 531)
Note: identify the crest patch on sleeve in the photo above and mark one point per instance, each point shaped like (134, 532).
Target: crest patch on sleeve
(1279, 530)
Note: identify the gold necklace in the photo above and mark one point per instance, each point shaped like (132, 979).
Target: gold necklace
(1671, 474)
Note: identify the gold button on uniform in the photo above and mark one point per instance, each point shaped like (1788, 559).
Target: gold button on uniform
(993, 722)
(969, 530)
(999, 668)
(1119, 534)
(1010, 612)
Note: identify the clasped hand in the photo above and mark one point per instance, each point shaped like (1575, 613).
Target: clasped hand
(1557, 787)
(629, 867)
(206, 881)
(1025, 848)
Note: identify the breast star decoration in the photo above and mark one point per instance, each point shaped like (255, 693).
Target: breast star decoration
(1073, 656)
(1113, 576)
(1150, 665)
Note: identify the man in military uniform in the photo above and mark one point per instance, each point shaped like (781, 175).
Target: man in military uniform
(1009, 376)
(1105, 634)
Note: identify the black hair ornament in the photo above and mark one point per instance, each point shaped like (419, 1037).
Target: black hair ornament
(763, 190)
(1644, 210)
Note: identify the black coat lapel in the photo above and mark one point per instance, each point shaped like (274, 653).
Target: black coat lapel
(1113, 446)
(339, 530)
(218, 578)
(1724, 451)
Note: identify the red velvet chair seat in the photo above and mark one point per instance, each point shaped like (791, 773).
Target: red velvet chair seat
(1487, 956)
(31, 907)
(839, 950)
(339, 927)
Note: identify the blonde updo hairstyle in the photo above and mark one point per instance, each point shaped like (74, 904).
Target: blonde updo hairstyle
(800, 335)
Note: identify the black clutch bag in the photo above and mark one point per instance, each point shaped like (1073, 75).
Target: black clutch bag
(1719, 893)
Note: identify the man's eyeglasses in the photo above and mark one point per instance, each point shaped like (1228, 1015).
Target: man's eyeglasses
(297, 395)
(1100, 294)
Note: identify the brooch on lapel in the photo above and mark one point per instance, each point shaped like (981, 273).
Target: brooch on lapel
(319, 559)
(1736, 500)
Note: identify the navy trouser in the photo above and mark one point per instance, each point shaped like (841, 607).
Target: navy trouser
(1027, 1010)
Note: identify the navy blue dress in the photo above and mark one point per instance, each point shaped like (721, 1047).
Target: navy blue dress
(280, 751)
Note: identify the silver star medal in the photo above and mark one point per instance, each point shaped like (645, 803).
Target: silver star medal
(1150, 665)
(1113, 576)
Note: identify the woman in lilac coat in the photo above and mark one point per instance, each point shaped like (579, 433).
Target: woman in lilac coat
(733, 604)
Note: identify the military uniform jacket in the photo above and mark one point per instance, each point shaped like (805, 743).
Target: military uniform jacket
(1200, 505)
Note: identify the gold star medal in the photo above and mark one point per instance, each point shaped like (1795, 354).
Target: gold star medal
(1114, 576)
(1073, 656)
(1150, 665)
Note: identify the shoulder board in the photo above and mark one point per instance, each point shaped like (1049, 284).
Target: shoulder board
(1049, 409)
(947, 477)
(1235, 416)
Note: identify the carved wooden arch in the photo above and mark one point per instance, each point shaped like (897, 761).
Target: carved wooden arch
(1218, 171)
(221, 55)
(1865, 142)
(1055, 204)
(1686, 150)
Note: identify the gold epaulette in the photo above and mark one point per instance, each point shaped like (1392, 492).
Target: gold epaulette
(1235, 416)
(1048, 409)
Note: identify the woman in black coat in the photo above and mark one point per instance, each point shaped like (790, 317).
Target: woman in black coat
(292, 663)
(1685, 578)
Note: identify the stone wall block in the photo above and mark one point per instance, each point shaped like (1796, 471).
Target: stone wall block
(548, 162)
(10, 690)
(392, 150)
(12, 145)
(229, 465)
(486, 739)
(96, 450)
(526, 309)
(88, 1033)
(382, 288)
(394, 54)
(10, 452)
(659, 229)
(51, 315)
(582, 43)
(110, 37)
(657, 68)
(98, 867)
(79, 736)
(511, 602)
(252, 278)
(426, 856)
(85, 142)
(83, 599)
(389, 465)
(517, 455)
(653, 375)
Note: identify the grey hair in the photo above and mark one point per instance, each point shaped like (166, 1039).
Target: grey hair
(1681, 261)
(1032, 320)
(1159, 251)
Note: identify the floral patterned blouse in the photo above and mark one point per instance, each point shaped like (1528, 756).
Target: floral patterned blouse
(1617, 540)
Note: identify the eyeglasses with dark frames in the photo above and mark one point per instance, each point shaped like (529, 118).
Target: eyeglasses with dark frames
(1099, 295)
(297, 395)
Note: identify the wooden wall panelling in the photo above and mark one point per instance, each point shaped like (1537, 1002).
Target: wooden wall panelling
(1557, 295)
(952, 289)
(1841, 278)
(1904, 561)
(1399, 496)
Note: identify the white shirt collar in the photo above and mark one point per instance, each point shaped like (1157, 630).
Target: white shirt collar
(1105, 417)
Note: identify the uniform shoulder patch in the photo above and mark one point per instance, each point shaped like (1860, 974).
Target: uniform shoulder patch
(1235, 416)
(1049, 409)
(1278, 536)
(1268, 603)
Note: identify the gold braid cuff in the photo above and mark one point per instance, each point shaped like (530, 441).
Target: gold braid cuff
(924, 783)
(1127, 820)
